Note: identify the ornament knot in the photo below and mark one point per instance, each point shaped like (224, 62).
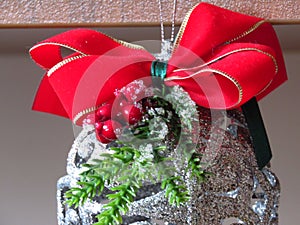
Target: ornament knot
(159, 69)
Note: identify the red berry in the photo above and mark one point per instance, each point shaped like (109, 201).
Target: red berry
(98, 126)
(105, 130)
(108, 130)
(103, 113)
(102, 139)
(132, 114)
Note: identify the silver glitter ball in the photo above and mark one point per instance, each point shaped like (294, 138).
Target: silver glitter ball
(237, 192)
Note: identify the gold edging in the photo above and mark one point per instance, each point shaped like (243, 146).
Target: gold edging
(123, 43)
(57, 44)
(82, 55)
(64, 62)
(227, 54)
(233, 80)
(245, 33)
(84, 112)
(187, 17)
(265, 88)
(127, 44)
(226, 75)
(182, 28)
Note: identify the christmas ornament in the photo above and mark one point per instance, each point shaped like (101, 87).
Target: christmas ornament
(175, 138)
(237, 193)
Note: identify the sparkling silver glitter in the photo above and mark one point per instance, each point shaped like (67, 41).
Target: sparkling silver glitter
(232, 220)
(158, 128)
(166, 50)
(146, 153)
(230, 194)
(271, 177)
(237, 193)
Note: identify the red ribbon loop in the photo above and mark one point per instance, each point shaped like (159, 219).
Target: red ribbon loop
(239, 53)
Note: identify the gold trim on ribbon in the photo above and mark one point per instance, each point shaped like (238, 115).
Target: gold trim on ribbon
(182, 28)
(245, 33)
(57, 44)
(227, 54)
(123, 43)
(127, 44)
(82, 55)
(233, 80)
(187, 17)
(84, 112)
(63, 63)
(229, 77)
(226, 75)
(265, 88)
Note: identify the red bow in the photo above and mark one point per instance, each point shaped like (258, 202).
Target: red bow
(238, 51)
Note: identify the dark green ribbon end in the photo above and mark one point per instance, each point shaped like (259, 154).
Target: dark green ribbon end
(258, 132)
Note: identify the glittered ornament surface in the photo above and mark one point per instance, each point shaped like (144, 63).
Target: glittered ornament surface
(237, 192)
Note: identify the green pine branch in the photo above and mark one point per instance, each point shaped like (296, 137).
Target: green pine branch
(99, 173)
(88, 189)
(120, 200)
(120, 167)
(175, 190)
(129, 165)
(195, 167)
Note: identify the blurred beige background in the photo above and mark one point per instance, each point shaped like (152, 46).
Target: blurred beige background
(34, 145)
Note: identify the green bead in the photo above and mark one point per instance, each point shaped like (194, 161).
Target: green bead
(159, 69)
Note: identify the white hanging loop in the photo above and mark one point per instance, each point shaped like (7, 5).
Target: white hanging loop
(166, 44)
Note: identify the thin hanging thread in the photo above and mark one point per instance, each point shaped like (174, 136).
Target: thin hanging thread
(173, 21)
(162, 31)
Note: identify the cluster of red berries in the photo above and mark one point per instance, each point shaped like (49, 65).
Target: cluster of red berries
(105, 125)
(125, 111)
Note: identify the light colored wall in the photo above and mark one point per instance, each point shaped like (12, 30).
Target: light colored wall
(281, 112)
(34, 146)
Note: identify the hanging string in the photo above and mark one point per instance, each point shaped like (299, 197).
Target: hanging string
(162, 31)
(173, 21)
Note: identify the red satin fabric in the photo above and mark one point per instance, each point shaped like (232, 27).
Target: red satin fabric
(108, 65)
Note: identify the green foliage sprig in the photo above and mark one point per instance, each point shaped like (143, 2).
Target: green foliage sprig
(195, 167)
(125, 167)
(93, 180)
(175, 190)
(123, 195)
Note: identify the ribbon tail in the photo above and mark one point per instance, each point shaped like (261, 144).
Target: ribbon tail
(46, 100)
(258, 132)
